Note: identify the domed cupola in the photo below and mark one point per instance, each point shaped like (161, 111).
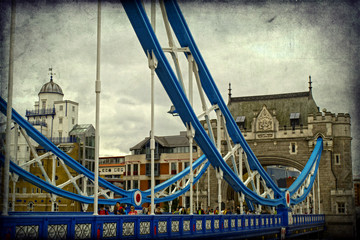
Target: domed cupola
(51, 87)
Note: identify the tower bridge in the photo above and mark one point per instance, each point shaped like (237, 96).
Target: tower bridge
(236, 144)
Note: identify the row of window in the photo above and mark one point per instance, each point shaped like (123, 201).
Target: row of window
(24, 190)
(61, 120)
(294, 120)
(133, 169)
(160, 149)
(61, 108)
(111, 160)
(30, 206)
(42, 162)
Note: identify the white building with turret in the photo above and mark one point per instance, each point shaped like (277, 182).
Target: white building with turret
(53, 116)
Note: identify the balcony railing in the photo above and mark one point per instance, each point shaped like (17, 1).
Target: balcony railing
(57, 140)
(40, 112)
(38, 123)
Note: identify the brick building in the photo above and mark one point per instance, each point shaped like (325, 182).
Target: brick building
(171, 157)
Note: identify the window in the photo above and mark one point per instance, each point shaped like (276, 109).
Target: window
(18, 134)
(17, 190)
(73, 108)
(128, 169)
(240, 121)
(337, 159)
(60, 135)
(27, 149)
(24, 190)
(56, 207)
(128, 185)
(33, 190)
(173, 168)
(18, 148)
(136, 170)
(9, 189)
(293, 148)
(136, 184)
(341, 207)
(60, 120)
(73, 120)
(30, 207)
(58, 163)
(61, 107)
(156, 169)
(294, 120)
(186, 164)
(43, 102)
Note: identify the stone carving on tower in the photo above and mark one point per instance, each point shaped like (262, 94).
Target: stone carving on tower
(264, 121)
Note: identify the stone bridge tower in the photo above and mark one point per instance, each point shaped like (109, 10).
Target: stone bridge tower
(282, 130)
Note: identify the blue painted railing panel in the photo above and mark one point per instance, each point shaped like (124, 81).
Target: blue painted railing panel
(164, 226)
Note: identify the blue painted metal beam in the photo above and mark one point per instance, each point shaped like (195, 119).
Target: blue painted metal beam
(149, 42)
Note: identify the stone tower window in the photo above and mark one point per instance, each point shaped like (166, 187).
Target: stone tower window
(294, 120)
(61, 108)
(240, 121)
(340, 208)
(337, 159)
(293, 148)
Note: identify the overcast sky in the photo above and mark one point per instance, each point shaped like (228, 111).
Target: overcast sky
(261, 48)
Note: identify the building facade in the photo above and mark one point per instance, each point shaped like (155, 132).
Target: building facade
(171, 157)
(112, 169)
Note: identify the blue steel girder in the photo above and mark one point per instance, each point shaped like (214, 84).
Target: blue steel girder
(127, 195)
(149, 42)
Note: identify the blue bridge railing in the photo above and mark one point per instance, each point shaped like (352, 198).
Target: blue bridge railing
(165, 226)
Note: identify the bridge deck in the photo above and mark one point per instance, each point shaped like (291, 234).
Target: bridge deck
(86, 226)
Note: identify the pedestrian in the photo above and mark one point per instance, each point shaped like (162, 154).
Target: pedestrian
(176, 211)
(228, 211)
(102, 210)
(117, 209)
(216, 211)
(158, 211)
(132, 211)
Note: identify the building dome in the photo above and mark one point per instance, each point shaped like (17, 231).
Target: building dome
(51, 87)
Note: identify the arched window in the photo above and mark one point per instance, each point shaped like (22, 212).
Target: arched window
(56, 207)
(30, 207)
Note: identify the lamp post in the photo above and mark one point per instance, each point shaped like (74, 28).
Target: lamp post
(97, 91)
